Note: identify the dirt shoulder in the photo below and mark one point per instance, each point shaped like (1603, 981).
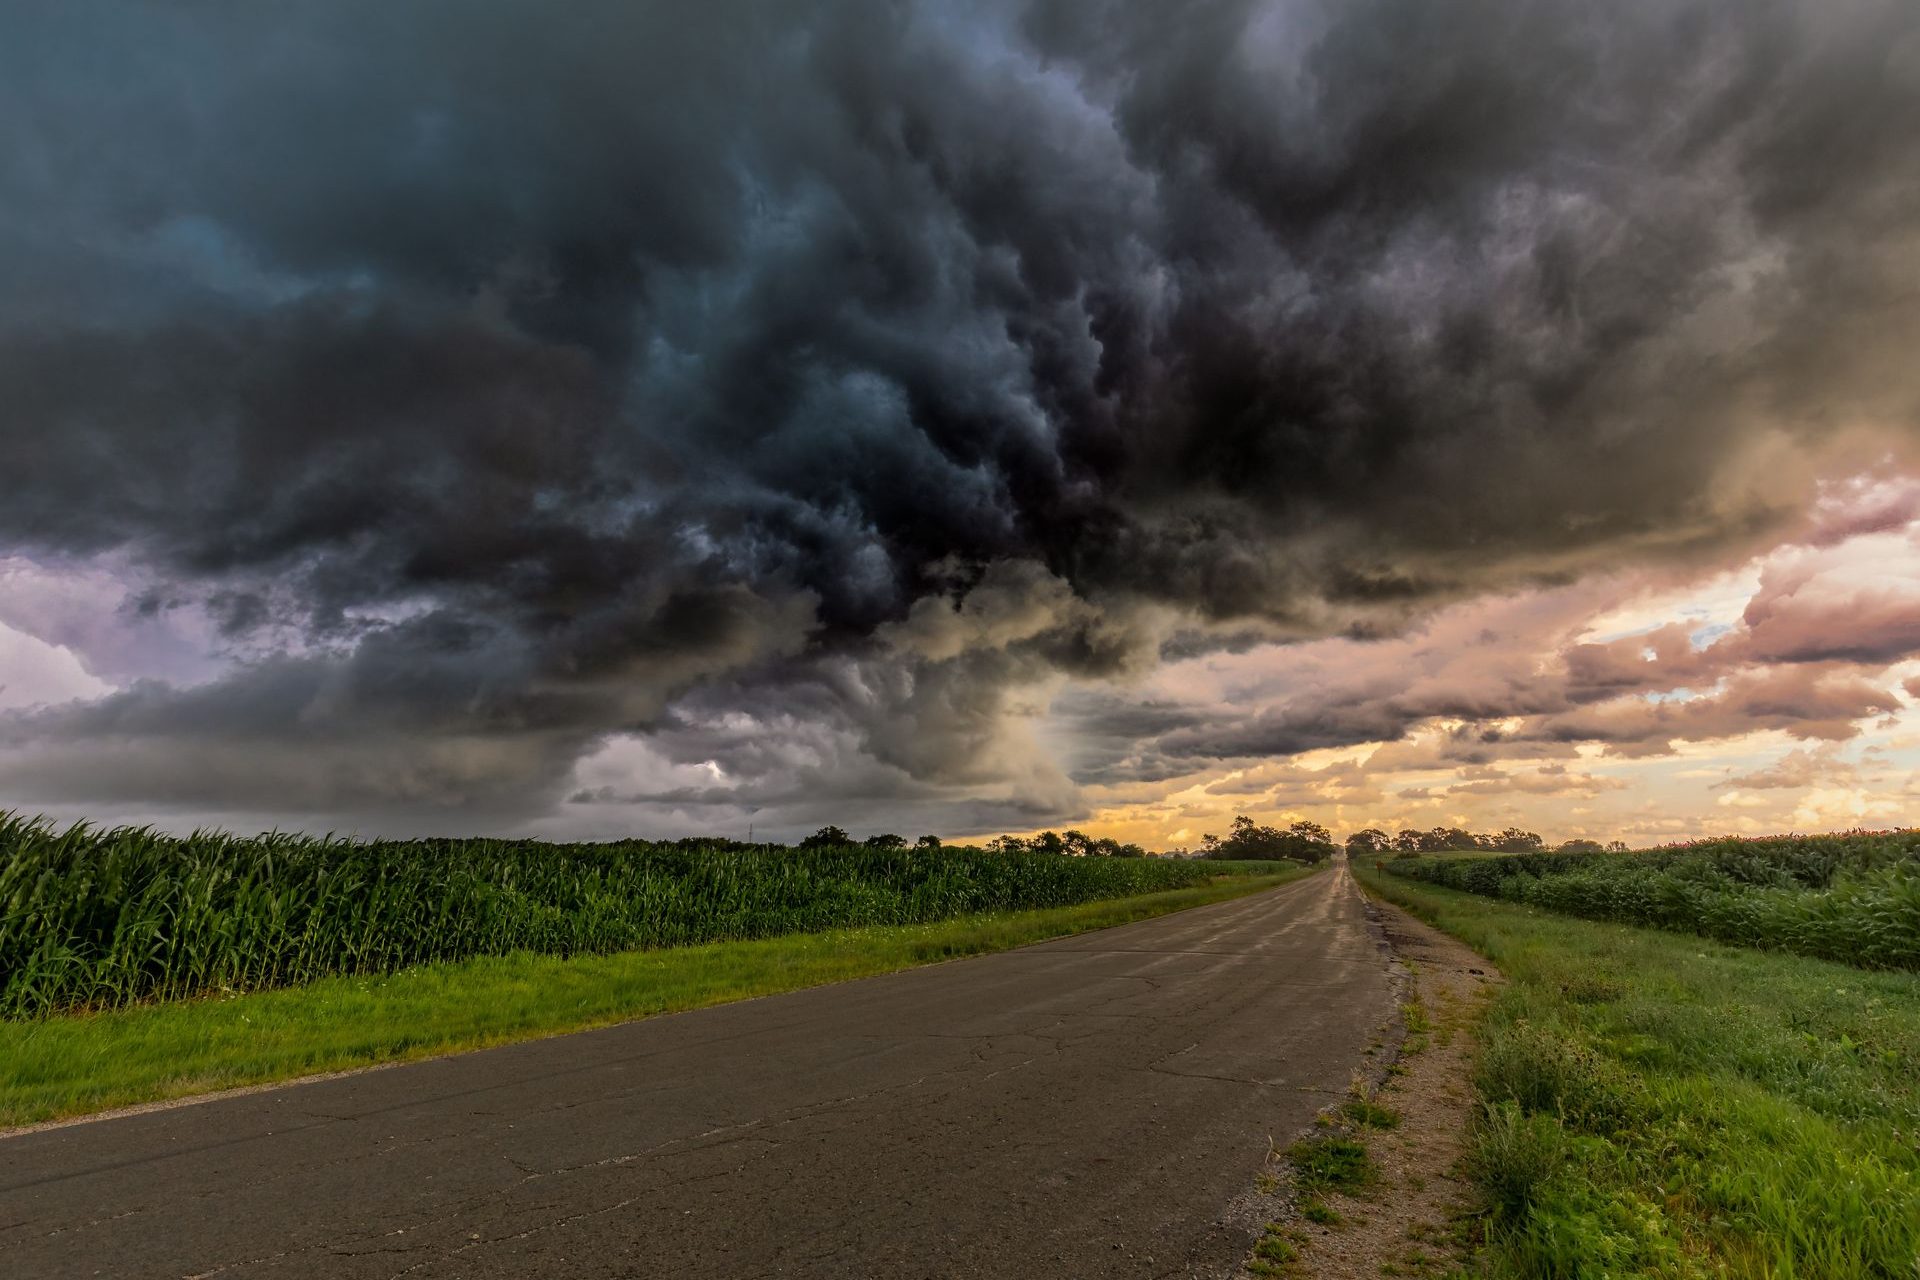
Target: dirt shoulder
(1396, 1212)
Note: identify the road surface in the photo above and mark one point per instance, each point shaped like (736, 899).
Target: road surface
(1087, 1107)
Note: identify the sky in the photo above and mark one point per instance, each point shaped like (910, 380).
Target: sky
(640, 419)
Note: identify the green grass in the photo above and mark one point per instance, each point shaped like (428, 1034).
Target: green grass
(1330, 1164)
(74, 1064)
(1317, 1210)
(1655, 1104)
(1273, 1253)
(1853, 897)
(104, 918)
(1369, 1114)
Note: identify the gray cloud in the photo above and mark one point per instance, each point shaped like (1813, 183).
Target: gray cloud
(498, 377)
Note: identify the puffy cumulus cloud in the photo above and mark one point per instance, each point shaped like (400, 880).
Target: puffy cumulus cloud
(1019, 606)
(1802, 767)
(1344, 779)
(34, 673)
(1659, 660)
(956, 756)
(1873, 502)
(499, 382)
(1484, 661)
(1802, 616)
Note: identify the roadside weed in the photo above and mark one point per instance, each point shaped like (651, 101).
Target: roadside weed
(1369, 1114)
(1330, 1164)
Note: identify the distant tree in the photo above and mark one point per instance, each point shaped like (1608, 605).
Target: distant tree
(1514, 840)
(927, 842)
(1579, 846)
(1616, 846)
(1047, 842)
(1311, 832)
(1124, 850)
(1368, 841)
(1007, 844)
(886, 840)
(1078, 843)
(1437, 840)
(826, 837)
(1248, 839)
(1301, 842)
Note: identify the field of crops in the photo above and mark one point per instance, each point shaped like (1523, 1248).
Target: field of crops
(1853, 897)
(93, 918)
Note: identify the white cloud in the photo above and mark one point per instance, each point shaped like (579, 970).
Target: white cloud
(33, 672)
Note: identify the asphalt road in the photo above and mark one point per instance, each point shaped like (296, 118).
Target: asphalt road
(1087, 1107)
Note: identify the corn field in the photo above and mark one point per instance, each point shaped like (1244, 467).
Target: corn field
(1853, 897)
(99, 918)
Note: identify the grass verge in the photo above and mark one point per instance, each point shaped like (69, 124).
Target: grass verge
(1660, 1105)
(1853, 898)
(66, 1066)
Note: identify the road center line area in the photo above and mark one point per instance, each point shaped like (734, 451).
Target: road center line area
(1090, 1106)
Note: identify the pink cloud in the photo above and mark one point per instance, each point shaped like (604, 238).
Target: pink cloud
(1860, 506)
(1805, 702)
(1800, 616)
(1655, 661)
(1515, 678)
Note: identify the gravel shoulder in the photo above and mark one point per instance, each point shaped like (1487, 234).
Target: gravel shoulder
(1405, 1220)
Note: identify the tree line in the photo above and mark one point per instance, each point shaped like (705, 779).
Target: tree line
(1302, 841)
(1073, 844)
(1373, 841)
(1299, 842)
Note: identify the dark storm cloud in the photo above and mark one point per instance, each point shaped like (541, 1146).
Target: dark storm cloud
(498, 373)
